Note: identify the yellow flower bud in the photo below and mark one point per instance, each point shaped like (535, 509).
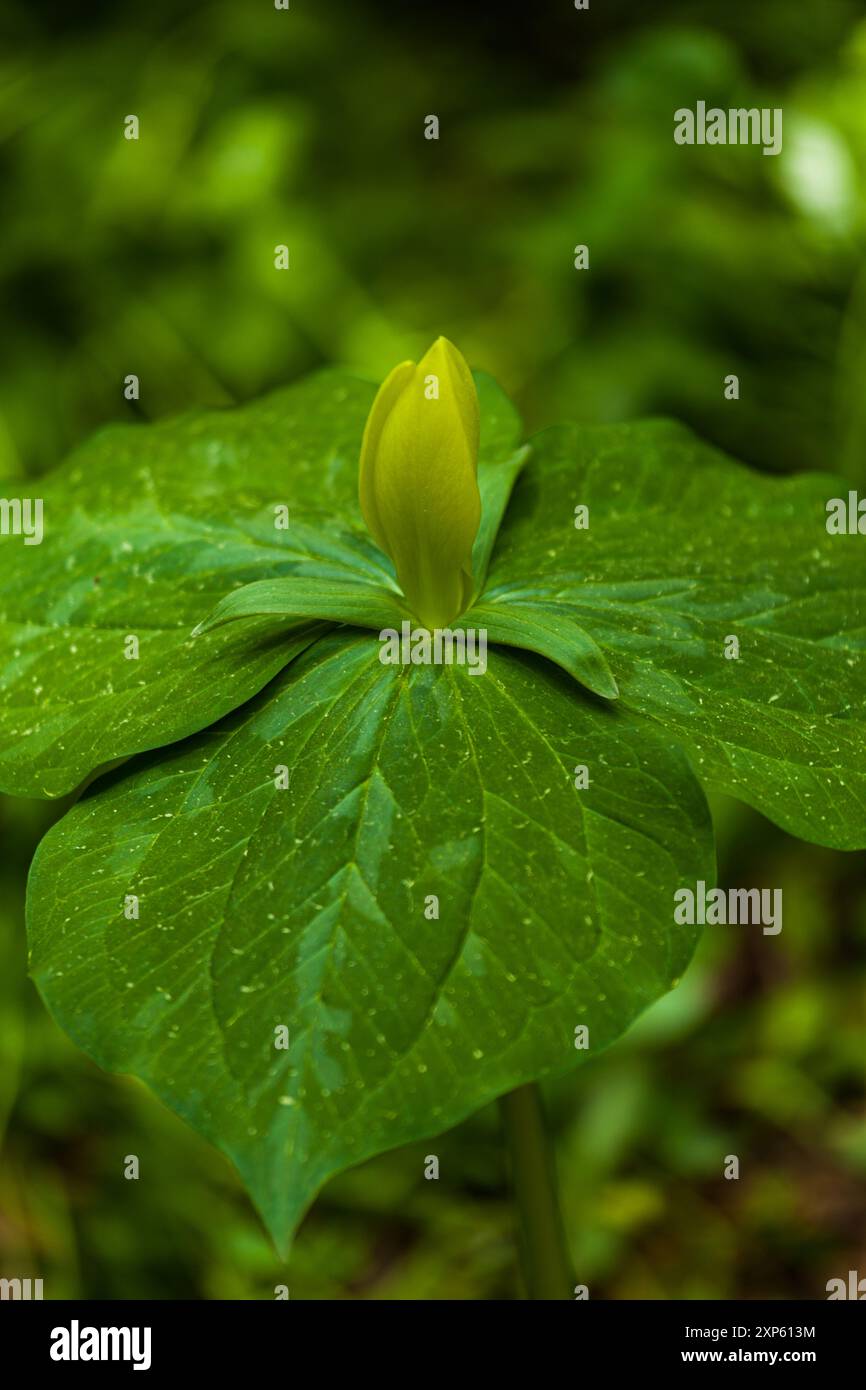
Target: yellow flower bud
(418, 480)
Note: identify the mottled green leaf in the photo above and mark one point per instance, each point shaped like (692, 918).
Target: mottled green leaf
(147, 528)
(294, 597)
(550, 632)
(312, 906)
(685, 549)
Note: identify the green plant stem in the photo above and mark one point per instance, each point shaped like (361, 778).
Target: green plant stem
(544, 1254)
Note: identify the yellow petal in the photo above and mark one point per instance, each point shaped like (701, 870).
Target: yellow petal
(418, 480)
(385, 398)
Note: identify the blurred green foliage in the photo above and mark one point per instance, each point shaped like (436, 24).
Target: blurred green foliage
(156, 257)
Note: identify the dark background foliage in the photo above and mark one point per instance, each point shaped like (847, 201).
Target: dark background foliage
(306, 127)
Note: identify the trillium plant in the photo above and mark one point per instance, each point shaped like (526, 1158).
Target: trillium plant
(391, 782)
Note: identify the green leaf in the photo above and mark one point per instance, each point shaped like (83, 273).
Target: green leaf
(550, 632)
(147, 528)
(259, 906)
(685, 549)
(294, 598)
(311, 907)
(496, 479)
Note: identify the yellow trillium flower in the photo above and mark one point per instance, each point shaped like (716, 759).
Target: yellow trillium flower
(418, 480)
